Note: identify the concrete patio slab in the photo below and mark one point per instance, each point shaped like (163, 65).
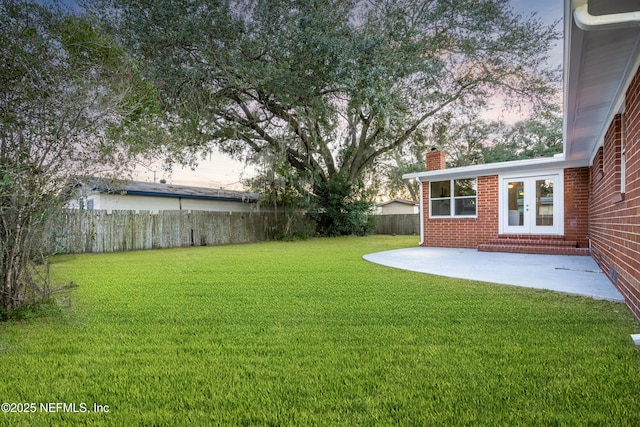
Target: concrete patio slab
(579, 275)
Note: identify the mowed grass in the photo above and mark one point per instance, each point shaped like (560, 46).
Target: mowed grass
(308, 333)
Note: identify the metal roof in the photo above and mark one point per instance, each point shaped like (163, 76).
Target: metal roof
(152, 189)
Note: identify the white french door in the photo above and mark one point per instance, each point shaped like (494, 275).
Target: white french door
(532, 205)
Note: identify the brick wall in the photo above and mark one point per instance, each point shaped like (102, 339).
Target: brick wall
(614, 217)
(576, 205)
(436, 160)
(464, 232)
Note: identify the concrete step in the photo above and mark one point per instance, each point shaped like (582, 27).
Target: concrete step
(530, 236)
(533, 242)
(534, 249)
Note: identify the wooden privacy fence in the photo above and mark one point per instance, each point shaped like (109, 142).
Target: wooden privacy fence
(398, 224)
(99, 231)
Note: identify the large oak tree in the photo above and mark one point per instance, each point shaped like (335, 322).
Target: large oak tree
(327, 87)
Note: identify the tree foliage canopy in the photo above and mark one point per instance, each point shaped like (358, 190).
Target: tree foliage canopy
(539, 136)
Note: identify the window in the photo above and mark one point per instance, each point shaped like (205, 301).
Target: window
(453, 198)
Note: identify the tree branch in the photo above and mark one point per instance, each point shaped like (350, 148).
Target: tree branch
(409, 131)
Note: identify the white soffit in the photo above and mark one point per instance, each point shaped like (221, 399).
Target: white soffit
(599, 64)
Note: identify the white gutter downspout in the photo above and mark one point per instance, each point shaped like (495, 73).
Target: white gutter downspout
(587, 22)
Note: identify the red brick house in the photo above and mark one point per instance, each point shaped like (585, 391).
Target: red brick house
(585, 201)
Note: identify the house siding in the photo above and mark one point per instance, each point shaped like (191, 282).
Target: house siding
(614, 217)
(464, 232)
(154, 204)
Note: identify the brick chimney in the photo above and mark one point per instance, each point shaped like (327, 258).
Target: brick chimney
(436, 160)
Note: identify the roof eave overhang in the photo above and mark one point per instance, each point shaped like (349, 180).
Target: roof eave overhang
(529, 166)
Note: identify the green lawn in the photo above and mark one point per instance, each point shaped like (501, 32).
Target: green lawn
(308, 333)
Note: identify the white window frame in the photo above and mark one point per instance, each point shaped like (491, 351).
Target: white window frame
(452, 198)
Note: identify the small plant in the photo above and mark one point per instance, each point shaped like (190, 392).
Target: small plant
(31, 310)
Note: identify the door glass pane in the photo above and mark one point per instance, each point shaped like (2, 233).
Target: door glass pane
(516, 203)
(544, 202)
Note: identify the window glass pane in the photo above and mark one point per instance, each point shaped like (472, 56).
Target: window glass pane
(516, 203)
(464, 187)
(466, 206)
(544, 202)
(440, 189)
(440, 208)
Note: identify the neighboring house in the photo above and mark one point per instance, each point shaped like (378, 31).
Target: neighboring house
(584, 201)
(152, 197)
(397, 207)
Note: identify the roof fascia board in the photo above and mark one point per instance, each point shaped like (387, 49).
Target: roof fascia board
(189, 196)
(520, 166)
(572, 55)
(176, 195)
